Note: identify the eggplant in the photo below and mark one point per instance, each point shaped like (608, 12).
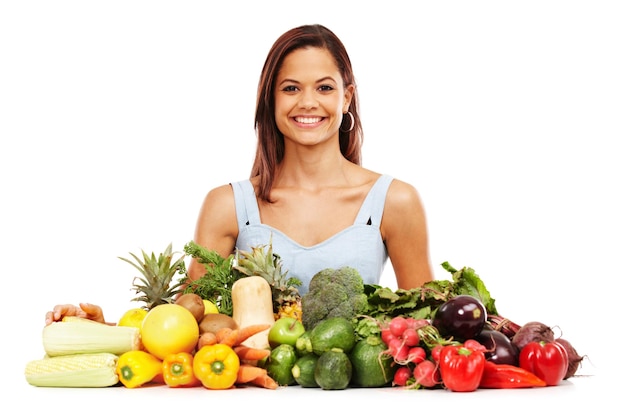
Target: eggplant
(500, 349)
(462, 317)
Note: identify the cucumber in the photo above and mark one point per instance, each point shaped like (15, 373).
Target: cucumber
(333, 370)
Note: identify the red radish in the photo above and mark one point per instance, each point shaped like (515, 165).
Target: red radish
(435, 352)
(474, 345)
(416, 323)
(398, 325)
(402, 376)
(410, 337)
(386, 335)
(417, 354)
(426, 374)
(398, 350)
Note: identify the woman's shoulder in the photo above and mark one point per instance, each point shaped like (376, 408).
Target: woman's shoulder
(220, 192)
(402, 195)
(219, 200)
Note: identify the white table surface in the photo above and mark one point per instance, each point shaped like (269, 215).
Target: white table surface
(580, 390)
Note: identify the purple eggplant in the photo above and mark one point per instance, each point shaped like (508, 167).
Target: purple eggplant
(461, 317)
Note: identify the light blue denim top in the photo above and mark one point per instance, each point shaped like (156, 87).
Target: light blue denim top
(359, 246)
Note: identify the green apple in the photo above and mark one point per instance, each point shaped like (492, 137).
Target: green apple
(285, 330)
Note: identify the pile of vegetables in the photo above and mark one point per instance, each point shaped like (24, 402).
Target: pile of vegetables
(449, 334)
(446, 334)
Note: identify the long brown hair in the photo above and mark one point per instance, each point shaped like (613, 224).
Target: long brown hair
(270, 142)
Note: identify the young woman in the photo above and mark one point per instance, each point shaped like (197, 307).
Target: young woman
(308, 193)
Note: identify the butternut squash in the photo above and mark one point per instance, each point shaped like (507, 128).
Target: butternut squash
(253, 305)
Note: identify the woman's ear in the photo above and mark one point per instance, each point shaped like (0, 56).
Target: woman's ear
(347, 97)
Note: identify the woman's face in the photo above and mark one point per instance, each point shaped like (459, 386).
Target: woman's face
(310, 97)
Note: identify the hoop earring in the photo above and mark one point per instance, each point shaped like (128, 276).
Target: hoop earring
(351, 123)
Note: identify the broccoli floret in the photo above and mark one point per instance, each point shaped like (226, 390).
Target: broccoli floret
(333, 293)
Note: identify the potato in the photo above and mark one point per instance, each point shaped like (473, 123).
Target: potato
(193, 303)
(212, 322)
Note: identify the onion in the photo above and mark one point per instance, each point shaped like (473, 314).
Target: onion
(573, 358)
(532, 332)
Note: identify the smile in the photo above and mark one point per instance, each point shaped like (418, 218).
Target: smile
(308, 120)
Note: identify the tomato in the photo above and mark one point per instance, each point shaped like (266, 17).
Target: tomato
(168, 329)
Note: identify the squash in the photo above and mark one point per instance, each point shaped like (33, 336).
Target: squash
(253, 305)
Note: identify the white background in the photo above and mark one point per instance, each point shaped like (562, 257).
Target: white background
(117, 117)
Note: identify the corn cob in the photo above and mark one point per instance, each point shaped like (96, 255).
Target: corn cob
(78, 370)
(87, 336)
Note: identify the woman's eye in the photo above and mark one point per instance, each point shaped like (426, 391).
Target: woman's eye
(326, 88)
(290, 88)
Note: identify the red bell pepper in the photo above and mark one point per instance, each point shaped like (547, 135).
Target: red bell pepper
(461, 368)
(547, 360)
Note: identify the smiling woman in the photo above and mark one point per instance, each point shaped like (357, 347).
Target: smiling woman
(118, 117)
(310, 104)
(308, 193)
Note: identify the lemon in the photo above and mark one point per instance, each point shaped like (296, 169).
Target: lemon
(209, 307)
(133, 317)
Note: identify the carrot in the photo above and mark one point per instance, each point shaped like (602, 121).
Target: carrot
(248, 372)
(249, 331)
(227, 336)
(251, 353)
(265, 381)
(206, 339)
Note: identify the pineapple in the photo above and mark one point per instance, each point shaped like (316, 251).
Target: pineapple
(156, 286)
(265, 263)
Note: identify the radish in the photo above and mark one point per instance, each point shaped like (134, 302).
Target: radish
(435, 352)
(401, 376)
(426, 374)
(410, 337)
(416, 323)
(398, 350)
(417, 354)
(386, 335)
(398, 325)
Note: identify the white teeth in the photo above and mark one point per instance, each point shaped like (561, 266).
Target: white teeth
(308, 120)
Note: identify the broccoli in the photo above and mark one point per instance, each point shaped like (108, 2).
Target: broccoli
(333, 293)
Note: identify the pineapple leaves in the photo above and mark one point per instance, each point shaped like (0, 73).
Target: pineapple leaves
(157, 284)
(262, 261)
(222, 273)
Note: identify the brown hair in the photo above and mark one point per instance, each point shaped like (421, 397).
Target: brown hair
(270, 142)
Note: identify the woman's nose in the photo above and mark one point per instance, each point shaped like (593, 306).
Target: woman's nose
(308, 100)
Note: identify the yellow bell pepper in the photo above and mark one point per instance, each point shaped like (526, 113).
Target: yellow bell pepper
(216, 366)
(138, 367)
(178, 370)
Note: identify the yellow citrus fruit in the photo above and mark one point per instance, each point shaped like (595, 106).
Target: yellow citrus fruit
(209, 307)
(169, 328)
(133, 317)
